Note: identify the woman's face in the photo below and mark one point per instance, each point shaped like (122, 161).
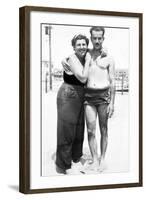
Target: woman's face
(80, 47)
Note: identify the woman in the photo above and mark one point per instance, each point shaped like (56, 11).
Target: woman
(70, 108)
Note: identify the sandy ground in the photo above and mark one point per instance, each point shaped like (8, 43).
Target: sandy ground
(117, 155)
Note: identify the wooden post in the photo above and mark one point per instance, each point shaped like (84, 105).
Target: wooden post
(48, 32)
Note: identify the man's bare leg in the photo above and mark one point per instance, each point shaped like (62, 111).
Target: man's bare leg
(91, 115)
(103, 145)
(103, 120)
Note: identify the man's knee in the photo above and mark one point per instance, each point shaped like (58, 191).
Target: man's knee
(103, 127)
(104, 132)
(91, 129)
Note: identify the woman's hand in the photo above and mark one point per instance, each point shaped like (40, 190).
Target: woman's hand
(88, 57)
(66, 66)
(104, 52)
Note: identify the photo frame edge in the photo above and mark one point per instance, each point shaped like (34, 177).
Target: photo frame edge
(24, 99)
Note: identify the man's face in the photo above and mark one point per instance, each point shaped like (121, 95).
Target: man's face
(97, 39)
(80, 47)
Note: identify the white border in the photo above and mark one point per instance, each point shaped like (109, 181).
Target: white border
(38, 182)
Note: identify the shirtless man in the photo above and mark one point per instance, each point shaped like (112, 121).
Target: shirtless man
(99, 97)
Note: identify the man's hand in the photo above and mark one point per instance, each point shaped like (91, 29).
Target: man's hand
(110, 110)
(66, 66)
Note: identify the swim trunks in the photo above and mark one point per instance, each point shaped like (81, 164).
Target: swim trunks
(96, 96)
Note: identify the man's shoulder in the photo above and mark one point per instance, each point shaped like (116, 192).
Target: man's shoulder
(107, 61)
(109, 58)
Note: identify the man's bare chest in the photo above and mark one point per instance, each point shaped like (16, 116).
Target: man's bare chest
(99, 63)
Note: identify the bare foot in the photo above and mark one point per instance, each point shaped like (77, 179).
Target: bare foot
(90, 161)
(102, 165)
(94, 166)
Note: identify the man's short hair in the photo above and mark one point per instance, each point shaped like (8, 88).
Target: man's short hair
(97, 28)
(79, 37)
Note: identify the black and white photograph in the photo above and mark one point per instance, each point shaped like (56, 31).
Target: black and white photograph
(82, 84)
(85, 97)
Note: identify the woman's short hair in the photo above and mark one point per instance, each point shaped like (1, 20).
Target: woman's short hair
(79, 37)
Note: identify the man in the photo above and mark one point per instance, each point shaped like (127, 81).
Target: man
(99, 97)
